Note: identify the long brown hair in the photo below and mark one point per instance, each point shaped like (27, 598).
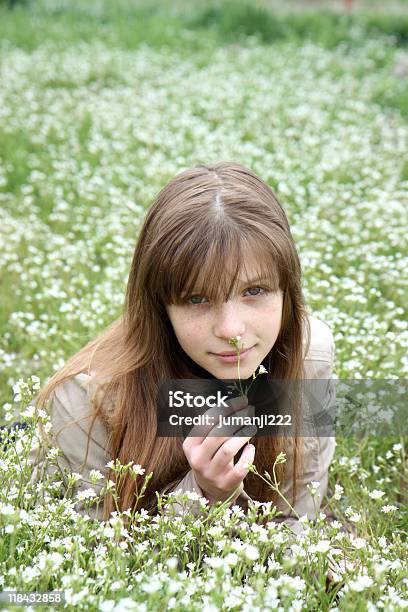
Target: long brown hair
(202, 217)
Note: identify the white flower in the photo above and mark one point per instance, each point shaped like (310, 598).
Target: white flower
(321, 547)
(389, 508)
(108, 532)
(376, 494)
(250, 552)
(137, 469)
(360, 583)
(127, 603)
(56, 558)
(115, 586)
(359, 543)
(214, 562)
(86, 494)
(231, 559)
(338, 491)
(53, 452)
(396, 447)
(313, 486)
(262, 370)
(192, 495)
(107, 605)
(152, 586)
(172, 562)
(95, 475)
(29, 412)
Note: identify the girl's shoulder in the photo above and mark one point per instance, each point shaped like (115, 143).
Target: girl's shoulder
(71, 404)
(321, 347)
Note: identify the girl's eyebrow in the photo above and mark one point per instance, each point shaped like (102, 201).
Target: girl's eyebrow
(254, 280)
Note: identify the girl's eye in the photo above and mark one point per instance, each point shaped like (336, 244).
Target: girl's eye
(255, 294)
(192, 298)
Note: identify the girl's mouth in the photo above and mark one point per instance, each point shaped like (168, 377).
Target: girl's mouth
(233, 358)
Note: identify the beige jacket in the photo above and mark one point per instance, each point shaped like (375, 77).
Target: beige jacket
(70, 400)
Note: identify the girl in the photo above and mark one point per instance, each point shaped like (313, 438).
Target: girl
(215, 260)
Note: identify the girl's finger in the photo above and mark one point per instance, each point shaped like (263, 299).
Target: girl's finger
(229, 449)
(211, 443)
(247, 457)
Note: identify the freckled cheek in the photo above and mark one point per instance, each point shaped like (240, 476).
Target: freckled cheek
(195, 334)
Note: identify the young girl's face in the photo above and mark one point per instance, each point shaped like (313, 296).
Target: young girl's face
(203, 329)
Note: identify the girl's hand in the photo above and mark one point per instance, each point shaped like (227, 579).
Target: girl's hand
(212, 458)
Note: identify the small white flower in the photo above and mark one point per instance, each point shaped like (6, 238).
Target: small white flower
(359, 543)
(389, 508)
(172, 563)
(74, 477)
(137, 469)
(53, 452)
(192, 495)
(231, 559)
(7, 509)
(95, 475)
(107, 605)
(115, 586)
(360, 583)
(376, 494)
(313, 487)
(108, 532)
(396, 447)
(214, 562)
(321, 547)
(338, 491)
(262, 370)
(250, 552)
(86, 494)
(29, 412)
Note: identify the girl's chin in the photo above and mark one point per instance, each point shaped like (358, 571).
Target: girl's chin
(232, 373)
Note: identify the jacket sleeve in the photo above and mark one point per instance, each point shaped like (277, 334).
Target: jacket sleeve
(71, 422)
(318, 450)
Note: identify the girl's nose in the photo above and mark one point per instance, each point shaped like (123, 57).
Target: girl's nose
(228, 321)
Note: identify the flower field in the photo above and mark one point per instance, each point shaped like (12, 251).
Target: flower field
(97, 113)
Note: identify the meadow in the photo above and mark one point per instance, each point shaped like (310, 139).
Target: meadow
(100, 106)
